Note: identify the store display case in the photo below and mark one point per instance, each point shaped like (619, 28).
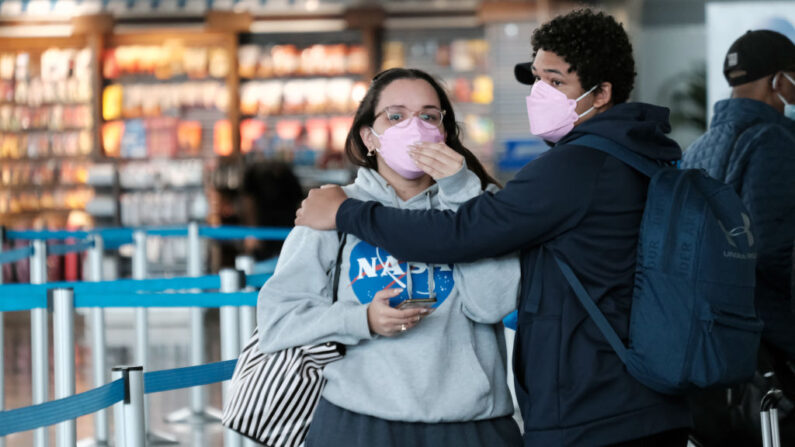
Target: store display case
(165, 112)
(46, 129)
(298, 96)
(142, 122)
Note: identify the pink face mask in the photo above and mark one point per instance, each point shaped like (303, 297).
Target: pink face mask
(395, 143)
(552, 114)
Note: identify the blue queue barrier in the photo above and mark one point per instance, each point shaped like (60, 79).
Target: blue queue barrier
(88, 402)
(49, 413)
(125, 235)
(124, 286)
(131, 293)
(113, 238)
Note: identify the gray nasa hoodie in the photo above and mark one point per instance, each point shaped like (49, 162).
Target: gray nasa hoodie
(448, 368)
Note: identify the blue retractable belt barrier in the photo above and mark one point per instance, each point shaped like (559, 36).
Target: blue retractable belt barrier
(122, 299)
(15, 254)
(124, 235)
(232, 232)
(206, 299)
(70, 248)
(173, 379)
(72, 407)
(166, 231)
(45, 234)
(53, 412)
(127, 285)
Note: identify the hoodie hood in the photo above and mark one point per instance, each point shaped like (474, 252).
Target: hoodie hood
(639, 127)
(369, 185)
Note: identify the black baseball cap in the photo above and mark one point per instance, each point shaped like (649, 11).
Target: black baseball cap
(524, 73)
(757, 54)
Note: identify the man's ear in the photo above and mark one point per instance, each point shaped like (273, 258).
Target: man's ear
(603, 96)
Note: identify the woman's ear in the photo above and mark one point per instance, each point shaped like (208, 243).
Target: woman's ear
(369, 139)
(603, 95)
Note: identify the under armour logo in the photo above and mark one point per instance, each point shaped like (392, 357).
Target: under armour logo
(744, 229)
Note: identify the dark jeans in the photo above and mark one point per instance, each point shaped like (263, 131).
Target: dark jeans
(670, 438)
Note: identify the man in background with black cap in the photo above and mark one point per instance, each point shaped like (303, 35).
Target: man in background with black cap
(750, 145)
(573, 202)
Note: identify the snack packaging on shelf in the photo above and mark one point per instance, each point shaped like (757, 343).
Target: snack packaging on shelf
(340, 126)
(338, 92)
(247, 59)
(219, 63)
(286, 60)
(293, 97)
(358, 60)
(112, 102)
(133, 140)
(483, 89)
(252, 132)
(317, 133)
(112, 133)
(222, 138)
(189, 137)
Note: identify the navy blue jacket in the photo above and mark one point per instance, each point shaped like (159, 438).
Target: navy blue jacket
(585, 207)
(751, 146)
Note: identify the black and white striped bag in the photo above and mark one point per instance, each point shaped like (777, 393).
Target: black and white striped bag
(272, 397)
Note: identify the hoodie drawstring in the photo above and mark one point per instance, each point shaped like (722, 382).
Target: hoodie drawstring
(431, 285)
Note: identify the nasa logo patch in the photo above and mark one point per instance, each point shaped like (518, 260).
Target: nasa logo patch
(373, 269)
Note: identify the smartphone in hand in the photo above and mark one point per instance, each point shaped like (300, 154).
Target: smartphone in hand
(427, 303)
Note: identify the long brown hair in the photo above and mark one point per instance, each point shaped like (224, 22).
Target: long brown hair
(356, 150)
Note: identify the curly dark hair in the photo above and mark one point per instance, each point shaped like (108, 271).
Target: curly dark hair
(596, 47)
(355, 149)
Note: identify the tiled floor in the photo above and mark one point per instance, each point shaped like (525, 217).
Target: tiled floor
(166, 352)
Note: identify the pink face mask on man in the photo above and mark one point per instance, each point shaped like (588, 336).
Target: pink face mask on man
(552, 114)
(396, 140)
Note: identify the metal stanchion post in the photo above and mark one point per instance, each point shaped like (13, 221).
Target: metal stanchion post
(198, 412)
(139, 271)
(129, 414)
(118, 409)
(248, 314)
(98, 345)
(63, 304)
(39, 335)
(230, 340)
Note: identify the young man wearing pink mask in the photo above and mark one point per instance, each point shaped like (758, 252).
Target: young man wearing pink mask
(573, 202)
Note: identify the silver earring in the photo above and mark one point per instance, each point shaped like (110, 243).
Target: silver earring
(370, 152)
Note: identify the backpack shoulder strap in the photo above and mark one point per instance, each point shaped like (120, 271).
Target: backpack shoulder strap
(596, 315)
(342, 238)
(640, 163)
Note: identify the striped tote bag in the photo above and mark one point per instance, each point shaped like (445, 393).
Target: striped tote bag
(272, 397)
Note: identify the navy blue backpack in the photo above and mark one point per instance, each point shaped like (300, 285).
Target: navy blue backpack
(693, 323)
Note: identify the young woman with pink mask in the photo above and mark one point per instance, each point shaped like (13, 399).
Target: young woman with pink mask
(432, 375)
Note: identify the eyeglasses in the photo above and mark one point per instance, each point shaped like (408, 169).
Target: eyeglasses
(399, 115)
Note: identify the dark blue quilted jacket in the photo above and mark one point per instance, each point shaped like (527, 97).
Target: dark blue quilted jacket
(751, 146)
